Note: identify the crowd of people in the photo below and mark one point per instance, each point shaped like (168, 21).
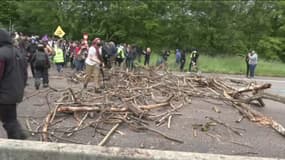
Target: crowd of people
(17, 52)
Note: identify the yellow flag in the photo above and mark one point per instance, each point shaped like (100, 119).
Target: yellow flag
(59, 32)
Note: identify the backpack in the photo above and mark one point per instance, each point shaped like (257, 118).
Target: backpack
(40, 59)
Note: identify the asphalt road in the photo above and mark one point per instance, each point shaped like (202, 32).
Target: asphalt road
(256, 140)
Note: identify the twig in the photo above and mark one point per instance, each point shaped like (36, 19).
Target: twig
(241, 144)
(225, 125)
(169, 121)
(104, 140)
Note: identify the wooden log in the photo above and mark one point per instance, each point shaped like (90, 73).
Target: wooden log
(250, 88)
(136, 110)
(88, 109)
(274, 97)
(157, 100)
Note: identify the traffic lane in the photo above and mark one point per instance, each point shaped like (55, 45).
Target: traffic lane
(277, 84)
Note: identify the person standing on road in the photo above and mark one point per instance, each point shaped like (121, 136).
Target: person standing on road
(94, 62)
(40, 63)
(147, 56)
(193, 60)
(178, 56)
(252, 63)
(58, 57)
(32, 48)
(12, 84)
(120, 55)
(182, 60)
(247, 64)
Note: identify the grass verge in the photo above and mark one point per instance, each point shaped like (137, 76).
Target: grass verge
(225, 64)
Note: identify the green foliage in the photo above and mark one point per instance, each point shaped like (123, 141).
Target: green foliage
(214, 27)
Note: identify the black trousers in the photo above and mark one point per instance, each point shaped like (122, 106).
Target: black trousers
(146, 59)
(182, 63)
(247, 70)
(41, 72)
(8, 113)
(8, 116)
(119, 61)
(32, 69)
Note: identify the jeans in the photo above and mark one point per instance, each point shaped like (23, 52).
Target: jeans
(79, 65)
(59, 66)
(130, 63)
(252, 70)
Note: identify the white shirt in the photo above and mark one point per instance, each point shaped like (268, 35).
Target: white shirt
(252, 59)
(92, 58)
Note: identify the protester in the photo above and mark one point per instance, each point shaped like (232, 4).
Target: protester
(130, 57)
(252, 63)
(93, 62)
(247, 64)
(147, 56)
(40, 63)
(80, 54)
(48, 50)
(193, 60)
(120, 55)
(165, 55)
(58, 57)
(182, 60)
(178, 56)
(109, 52)
(12, 82)
(32, 48)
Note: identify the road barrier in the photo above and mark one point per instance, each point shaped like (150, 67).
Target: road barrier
(34, 150)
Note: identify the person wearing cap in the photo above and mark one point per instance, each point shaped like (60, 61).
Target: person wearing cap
(93, 63)
(252, 60)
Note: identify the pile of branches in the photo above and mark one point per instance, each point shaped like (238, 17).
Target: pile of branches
(145, 99)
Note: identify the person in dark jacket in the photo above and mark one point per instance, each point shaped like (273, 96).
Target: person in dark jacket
(182, 60)
(41, 64)
(247, 64)
(12, 84)
(32, 48)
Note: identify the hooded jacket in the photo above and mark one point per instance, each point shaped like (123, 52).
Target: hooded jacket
(12, 71)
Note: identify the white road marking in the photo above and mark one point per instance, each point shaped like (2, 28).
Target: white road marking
(263, 80)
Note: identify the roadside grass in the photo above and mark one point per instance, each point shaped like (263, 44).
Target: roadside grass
(224, 64)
